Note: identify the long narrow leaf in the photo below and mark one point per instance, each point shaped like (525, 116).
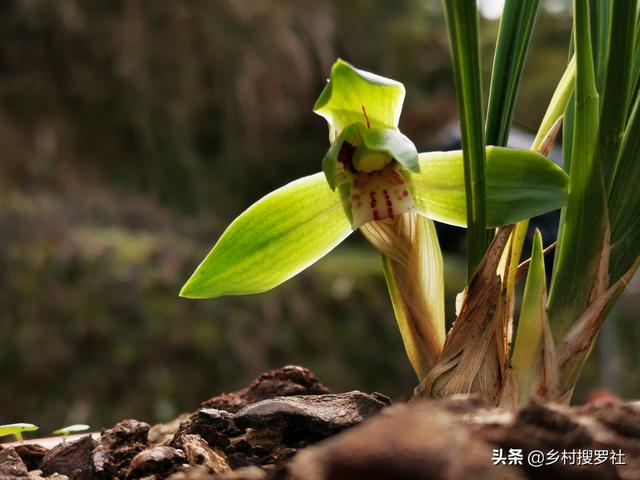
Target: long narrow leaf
(557, 105)
(600, 20)
(615, 96)
(514, 35)
(624, 200)
(462, 25)
(578, 266)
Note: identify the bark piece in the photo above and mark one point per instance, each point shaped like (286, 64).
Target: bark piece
(415, 441)
(73, 459)
(11, 465)
(160, 461)
(31, 454)
(117, 446)
(214, 426)
(309, 418)
(245, 473)
(162, 433)
(281, 382)
(198, 452)
(196, 472)
(127, 431)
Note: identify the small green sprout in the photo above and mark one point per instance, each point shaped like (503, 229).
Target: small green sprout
(66, 431)
(16, 430)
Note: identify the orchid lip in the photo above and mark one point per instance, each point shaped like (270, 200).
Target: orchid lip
(379, 195)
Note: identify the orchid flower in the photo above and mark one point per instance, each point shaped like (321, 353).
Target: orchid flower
(373, 177)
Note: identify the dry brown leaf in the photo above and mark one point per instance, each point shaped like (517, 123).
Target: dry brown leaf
(475, 353)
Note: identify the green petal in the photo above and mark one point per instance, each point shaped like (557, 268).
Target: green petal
(276, 238)
(519, 184)
(349, 90)
(334, 169)
(395, 144)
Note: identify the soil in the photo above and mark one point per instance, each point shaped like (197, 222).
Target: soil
(287, 425)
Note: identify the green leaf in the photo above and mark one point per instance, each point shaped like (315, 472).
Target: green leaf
(617, 81)
(580, 251)
(462, 26)
(625, 251)
(351, 90)
(600, 20)
(514, 35)
(395, 144)
(557, 105)
(276, 238)
(520, 184)
(529, 349)
(14, 428)
(624, 200)
(71, 429)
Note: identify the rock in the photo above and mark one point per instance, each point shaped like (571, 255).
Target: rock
(73, 459)
(11, 465)
(281, 382)
(310, 417)
(160, 461)
(117, 447)
(198, 452)
(410, 442)
(31, 454)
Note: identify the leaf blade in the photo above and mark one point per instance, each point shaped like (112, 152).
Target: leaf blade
(514, 36)
(462, 26)
(585, 227)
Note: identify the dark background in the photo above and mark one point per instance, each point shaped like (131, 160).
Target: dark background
(132, 132)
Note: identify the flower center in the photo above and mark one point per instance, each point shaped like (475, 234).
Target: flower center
(368, 161)
(379, 195)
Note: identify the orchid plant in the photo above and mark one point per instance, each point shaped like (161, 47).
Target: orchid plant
(375, 180)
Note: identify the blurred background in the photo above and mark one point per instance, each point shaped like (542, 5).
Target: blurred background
(132, 132)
